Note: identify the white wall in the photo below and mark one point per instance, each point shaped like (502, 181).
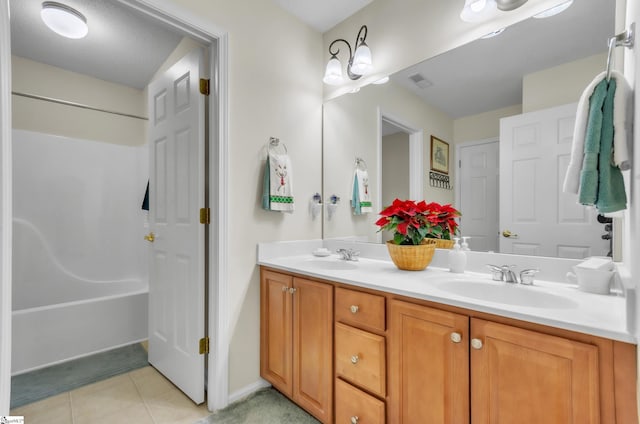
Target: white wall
(51, 118)
(483, 125)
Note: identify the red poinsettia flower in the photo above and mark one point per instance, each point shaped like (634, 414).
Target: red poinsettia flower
(412, 222)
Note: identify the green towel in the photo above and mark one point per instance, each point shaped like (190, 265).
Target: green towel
(588, 193)
(611, 193)
(355, 197)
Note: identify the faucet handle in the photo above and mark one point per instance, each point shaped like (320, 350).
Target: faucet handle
(527, 275)
(496, 272)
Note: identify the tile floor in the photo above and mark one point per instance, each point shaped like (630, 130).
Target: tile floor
(142, 396)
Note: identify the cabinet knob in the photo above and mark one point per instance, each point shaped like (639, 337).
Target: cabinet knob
(354, 309)
(355, 359)
(284, 289)
(292, 290)
(355, 419)
(456, 337)
(476, 343)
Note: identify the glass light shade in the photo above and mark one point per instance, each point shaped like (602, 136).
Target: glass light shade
(64, 20)
(333, 73)
(508, 5)
(554, 10)
(362, 60)
(478, 10)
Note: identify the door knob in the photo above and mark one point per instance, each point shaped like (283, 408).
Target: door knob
(150, 237)
(509, 234)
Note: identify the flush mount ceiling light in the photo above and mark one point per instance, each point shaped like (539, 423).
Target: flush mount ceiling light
(64, 20)
(507, 5)
(478, 10)
(359, 62)
(554, 10)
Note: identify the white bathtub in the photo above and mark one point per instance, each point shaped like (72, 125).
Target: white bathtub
(79, 258)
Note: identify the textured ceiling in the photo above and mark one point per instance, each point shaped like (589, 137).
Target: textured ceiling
(122, 46)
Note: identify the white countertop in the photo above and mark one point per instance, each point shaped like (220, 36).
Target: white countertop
(548, 303)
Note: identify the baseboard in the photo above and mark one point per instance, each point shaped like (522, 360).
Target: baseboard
(247, 390)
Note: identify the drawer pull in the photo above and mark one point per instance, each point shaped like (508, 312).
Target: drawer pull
(292, 290)
(354, 359)
(476, 343)
(354, 309)
(456, 337)
(355, 419)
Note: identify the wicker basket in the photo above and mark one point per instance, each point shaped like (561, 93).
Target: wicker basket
(412, 258)
(444, 244)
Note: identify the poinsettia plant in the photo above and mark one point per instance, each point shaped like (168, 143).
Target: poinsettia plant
(412, 222)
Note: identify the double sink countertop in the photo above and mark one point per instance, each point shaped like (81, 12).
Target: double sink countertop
(551, 303)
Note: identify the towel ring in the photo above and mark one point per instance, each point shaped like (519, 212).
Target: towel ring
(624, 39)
(361, 164)
(274, 143)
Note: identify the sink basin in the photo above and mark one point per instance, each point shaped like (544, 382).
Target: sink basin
(507, 294)
(331, 264)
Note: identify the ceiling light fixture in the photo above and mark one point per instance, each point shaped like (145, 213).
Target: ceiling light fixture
(554, 10)
(477, 10)
(359, 63)
(64, 20)
(493, 33)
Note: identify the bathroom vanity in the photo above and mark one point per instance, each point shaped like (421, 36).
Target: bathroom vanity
(362, 342)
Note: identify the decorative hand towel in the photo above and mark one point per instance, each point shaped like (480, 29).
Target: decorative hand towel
(611, 194)
(622, 119)
(280, 183)
(266, 187)
(360, 198)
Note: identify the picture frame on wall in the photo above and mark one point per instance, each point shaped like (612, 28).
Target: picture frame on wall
(439, 155)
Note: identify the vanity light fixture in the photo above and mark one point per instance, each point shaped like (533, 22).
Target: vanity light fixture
(64, 20)
(493, 33)
(554, 10)
(507, 5)
(478, 10)
(382, 80)
(359, 62)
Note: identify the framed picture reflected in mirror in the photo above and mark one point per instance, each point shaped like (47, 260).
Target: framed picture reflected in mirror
(439, 155)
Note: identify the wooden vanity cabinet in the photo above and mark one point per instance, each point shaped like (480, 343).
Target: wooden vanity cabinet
(522, 376)
(428, 365)
(296, 337)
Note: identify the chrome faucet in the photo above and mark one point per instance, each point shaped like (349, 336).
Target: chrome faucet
(348, 254)
(505, 273)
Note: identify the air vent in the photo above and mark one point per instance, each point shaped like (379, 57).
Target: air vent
(420, 81)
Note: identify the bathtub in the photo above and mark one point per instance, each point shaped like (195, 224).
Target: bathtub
(80, 280)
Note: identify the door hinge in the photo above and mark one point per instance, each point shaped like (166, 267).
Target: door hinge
(204, 86)
(205, 216)
(204, 345)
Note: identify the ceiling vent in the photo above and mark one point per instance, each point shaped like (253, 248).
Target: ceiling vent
(420, 81)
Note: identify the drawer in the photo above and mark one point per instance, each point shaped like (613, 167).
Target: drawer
(361, 358)
(355, 406)
(360, 309)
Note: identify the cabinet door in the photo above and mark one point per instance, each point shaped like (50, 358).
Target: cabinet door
(429, 365)
(276, 331)
(313, 347)
(525, 377)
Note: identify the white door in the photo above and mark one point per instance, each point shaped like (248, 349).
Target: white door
(479, 170)
(176, 275)
(535, 148)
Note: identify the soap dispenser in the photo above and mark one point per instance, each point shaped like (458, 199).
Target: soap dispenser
(465, 243)
(457, 258)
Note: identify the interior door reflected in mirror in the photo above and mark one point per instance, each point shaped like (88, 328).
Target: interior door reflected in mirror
(461, 97)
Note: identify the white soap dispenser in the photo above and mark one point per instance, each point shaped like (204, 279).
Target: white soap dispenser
(457, 258)
(465, 244)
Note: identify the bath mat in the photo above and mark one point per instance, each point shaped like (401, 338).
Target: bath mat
(36, 385)
(266, 406)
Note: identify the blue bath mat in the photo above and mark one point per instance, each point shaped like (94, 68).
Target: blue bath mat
(43, 383)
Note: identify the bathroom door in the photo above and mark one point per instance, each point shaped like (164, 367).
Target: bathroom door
(176, 274)
(535, 148)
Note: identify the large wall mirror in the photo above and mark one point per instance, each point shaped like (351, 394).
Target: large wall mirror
(534, 71)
